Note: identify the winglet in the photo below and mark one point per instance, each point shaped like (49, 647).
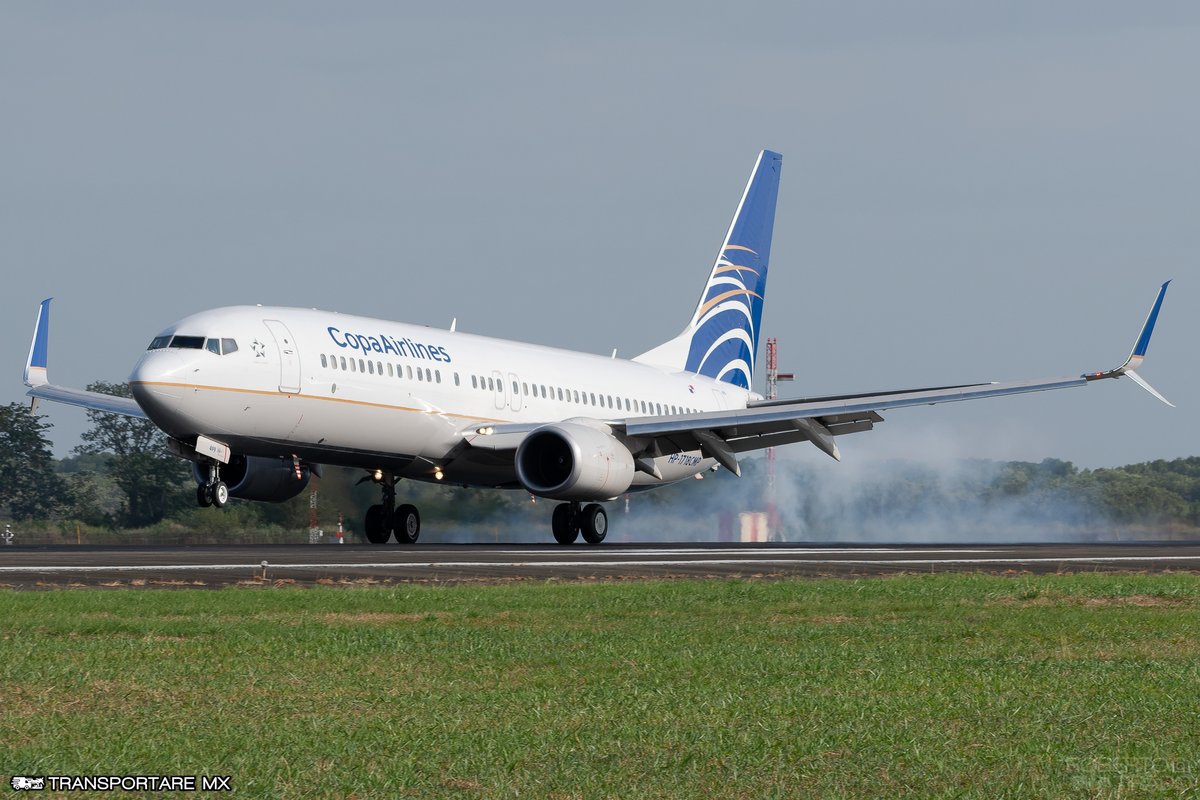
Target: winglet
(39, 349)
(1143, 341)
(1138, 354)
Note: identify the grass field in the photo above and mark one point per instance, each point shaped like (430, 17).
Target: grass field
(933, 686)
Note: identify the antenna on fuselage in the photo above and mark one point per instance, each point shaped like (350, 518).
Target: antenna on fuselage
(453, 324)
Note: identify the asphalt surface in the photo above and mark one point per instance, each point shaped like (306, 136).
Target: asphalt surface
(134, 566)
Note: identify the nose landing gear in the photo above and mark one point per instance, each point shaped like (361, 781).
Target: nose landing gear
(212, 492)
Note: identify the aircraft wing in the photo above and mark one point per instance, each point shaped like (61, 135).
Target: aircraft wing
(37, 377)
(722, 435)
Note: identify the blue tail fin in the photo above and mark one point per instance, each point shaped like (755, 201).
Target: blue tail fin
(721, 341)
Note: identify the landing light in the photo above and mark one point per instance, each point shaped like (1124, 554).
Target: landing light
(485, 431)
(378, 474)
(437, 473)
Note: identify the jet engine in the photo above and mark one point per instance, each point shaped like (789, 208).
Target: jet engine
(257, 478)
(571, 461)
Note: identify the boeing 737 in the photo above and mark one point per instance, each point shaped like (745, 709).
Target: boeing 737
(259, 397)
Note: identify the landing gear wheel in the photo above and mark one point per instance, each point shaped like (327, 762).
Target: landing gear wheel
(408, 524)
(203, 498)
(593, 523)
(220, 494)
(373, 526)
(563, 524)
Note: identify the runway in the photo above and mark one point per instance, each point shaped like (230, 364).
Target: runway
(212, 566)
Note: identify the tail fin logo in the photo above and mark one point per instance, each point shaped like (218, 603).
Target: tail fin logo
(725, 324)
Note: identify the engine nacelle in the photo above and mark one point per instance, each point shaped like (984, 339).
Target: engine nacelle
(256, 478)
(570, 461)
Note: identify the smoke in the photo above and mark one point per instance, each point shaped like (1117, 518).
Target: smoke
(939, 497)
(914, 489)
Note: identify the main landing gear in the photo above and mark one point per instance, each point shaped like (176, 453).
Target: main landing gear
(212, 492)
(570, 520)
(384, 519)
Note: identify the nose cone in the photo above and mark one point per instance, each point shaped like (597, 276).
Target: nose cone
(155, 386)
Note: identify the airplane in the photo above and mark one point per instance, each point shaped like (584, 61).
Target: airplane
(258, 398)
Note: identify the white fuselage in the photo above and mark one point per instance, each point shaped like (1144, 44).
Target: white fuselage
(355, 391)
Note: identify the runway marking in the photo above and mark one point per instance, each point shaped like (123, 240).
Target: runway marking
(630, 563)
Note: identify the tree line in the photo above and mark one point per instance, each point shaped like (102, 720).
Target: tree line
(121, 477)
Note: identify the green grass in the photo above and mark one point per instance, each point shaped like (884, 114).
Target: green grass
(932, 686)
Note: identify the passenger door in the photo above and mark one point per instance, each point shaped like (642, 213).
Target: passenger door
(289, 356)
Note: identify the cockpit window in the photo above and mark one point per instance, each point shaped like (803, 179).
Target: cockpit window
(221, 347)
(188, 342)
(159, 342)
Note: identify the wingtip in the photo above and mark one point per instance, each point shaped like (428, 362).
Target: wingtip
(1140, 381)
(38, 361)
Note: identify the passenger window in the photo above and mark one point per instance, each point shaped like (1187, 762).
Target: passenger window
(371, 367)
(525, 388)
(576, 395)
(514, 387)
(323, 360)
(353, 366)
(344, 363)
(593, 396)
(560, 394)
(491, 385)
(419, 377)
(428, 376)
(159, 342)
(438, 376)
(456, 383)
(408, 371)
(474, 383)
(390, 370)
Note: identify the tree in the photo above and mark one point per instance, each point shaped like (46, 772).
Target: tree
(154, 482)
(28, 485)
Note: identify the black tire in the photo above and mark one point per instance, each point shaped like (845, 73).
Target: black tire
(564, 527)
(220, 494)
(408, 524)
(593, 523)
(374, 527)
(203, 497)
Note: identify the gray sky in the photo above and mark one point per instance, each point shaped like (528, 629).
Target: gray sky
(971, 191)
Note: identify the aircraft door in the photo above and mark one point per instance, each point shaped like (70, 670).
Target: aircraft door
(498, 379)
(515, 383)
(289, 356)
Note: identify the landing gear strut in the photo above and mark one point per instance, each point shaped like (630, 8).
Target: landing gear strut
(570, 520)
(212, 492)
(385, 518)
